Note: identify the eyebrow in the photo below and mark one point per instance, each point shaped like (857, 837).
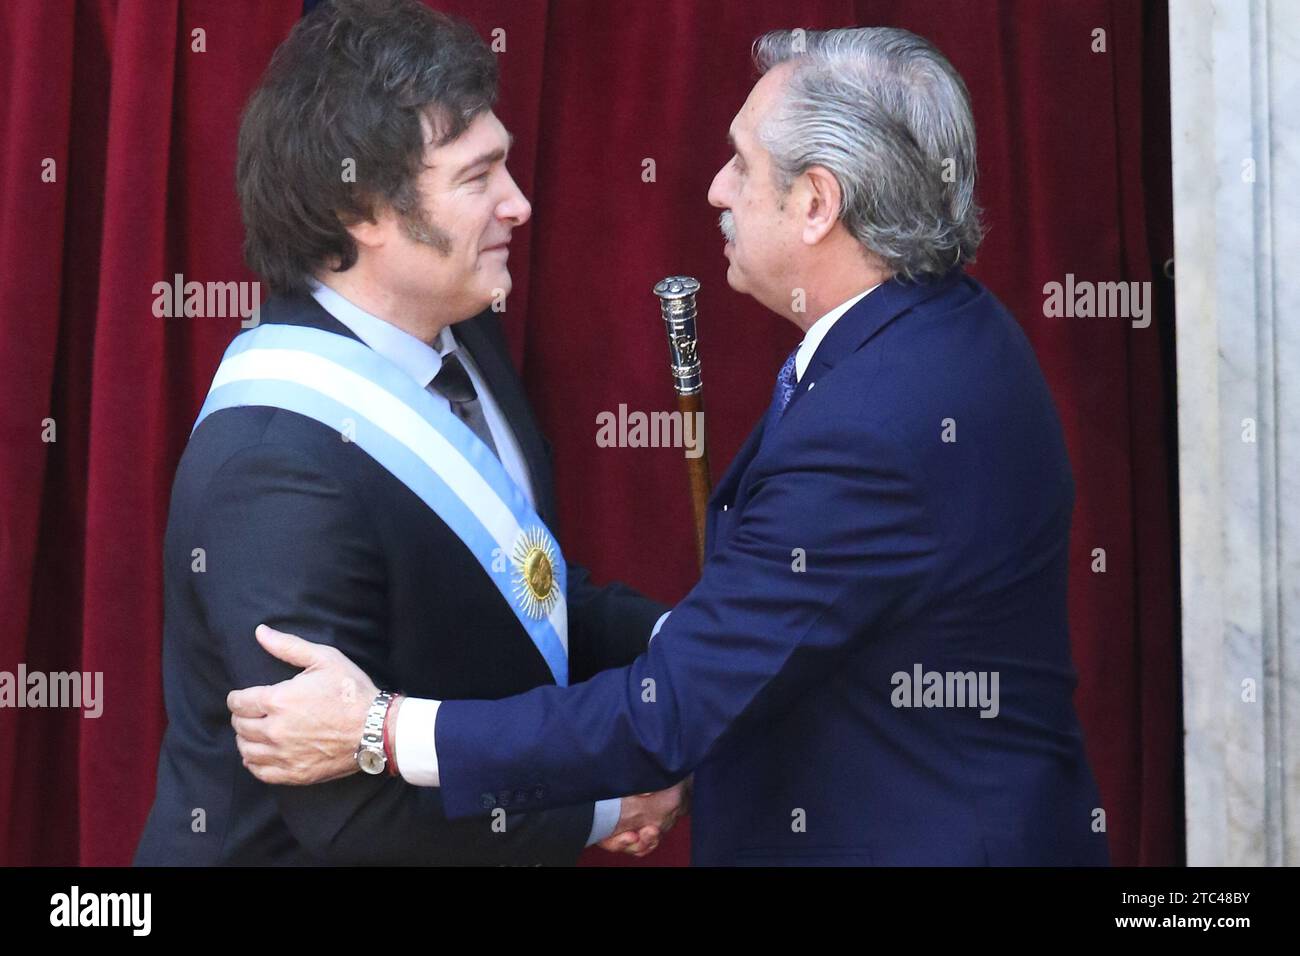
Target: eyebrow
(484, 159)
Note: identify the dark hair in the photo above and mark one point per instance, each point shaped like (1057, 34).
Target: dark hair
(351, 82)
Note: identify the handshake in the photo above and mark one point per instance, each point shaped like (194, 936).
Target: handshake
(646, 817)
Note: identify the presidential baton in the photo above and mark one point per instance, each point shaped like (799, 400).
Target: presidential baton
(677, 306)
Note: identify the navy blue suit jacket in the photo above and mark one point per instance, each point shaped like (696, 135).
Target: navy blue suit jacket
(911, 509)
(309, 534)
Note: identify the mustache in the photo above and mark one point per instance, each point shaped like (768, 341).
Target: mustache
(727, 223)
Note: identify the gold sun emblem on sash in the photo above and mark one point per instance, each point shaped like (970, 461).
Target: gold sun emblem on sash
(534, 561)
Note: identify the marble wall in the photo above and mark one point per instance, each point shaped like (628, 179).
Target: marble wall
(1235, 81)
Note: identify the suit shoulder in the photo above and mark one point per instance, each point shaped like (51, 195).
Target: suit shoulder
(963, 356)
(254, 444)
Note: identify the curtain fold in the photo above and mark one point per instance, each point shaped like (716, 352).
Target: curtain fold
(35, 122)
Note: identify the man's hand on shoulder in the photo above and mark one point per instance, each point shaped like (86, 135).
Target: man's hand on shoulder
(304, 730)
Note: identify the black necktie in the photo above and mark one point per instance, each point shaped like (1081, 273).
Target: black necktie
(453, 383)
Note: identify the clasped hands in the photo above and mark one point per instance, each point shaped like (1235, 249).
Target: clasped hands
(305, 730)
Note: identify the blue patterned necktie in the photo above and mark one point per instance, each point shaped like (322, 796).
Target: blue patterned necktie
(785, 386)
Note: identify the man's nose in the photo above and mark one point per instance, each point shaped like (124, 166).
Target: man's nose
(717, 195)
(516, 206)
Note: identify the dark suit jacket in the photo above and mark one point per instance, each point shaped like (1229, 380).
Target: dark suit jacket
(309, 534)
(777, 684)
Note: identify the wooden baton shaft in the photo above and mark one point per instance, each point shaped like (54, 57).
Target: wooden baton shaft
(697, 470)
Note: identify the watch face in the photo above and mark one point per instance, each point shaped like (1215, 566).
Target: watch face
(371, 762)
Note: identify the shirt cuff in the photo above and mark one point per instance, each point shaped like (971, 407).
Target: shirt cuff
(604, 819)
(417, 756)
(658, 624)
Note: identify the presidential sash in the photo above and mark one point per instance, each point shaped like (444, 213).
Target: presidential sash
(354, 390)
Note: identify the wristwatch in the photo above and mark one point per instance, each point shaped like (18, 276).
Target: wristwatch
(370, 752)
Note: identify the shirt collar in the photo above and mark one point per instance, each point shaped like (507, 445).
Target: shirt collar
(817, 331)
(414, 357)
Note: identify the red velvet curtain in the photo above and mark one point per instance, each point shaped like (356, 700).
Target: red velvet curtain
(140, 125)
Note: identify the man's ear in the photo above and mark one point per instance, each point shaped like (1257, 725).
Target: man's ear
(373, 231)
(821, 205)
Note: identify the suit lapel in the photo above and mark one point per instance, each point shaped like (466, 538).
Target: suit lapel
(724, 493)
(725, 490)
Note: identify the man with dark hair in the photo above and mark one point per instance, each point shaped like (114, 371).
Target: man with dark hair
(366, 469)
(900, 692)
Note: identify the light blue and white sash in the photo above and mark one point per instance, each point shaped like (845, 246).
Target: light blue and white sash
(370, 401)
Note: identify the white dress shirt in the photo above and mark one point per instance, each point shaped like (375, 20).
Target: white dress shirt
(817, 331)
(422, 362)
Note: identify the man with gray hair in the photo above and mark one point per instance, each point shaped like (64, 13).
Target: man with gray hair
(875, 665)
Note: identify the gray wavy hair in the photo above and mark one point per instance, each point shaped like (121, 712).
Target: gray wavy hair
(889, 117)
